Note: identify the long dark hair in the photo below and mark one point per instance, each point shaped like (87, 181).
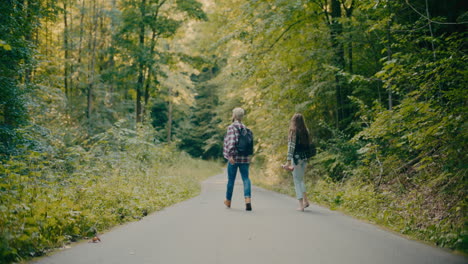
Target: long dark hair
(298, 130)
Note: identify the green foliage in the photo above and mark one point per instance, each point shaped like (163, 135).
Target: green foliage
(192, 8)
(426, 129)
(382, 88)
(384, 96)
(419, 213)
(120, 175)
(159, 114)
(204, 136)
(409, 213)
(78, 166)
(15, 64)
(339, 157)
(4, 45)
(12, 115)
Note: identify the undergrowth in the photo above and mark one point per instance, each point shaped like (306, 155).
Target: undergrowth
(418, 213)
(49, 200)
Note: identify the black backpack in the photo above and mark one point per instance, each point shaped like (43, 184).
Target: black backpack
(245, 142)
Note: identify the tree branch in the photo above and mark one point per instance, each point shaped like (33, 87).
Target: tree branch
(348, 10)
(284, 32)
(322, 5)
(161, 4)
(432, 21)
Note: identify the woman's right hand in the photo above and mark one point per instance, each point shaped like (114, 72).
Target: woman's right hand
(287, 167)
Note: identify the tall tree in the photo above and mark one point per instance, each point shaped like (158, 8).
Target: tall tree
(66, 47)
(153, 21)
(19, 20)
(203, 138)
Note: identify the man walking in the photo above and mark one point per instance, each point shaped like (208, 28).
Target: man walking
(237, 160)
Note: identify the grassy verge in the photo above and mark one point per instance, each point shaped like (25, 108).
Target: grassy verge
(405, 213)
(48, 202)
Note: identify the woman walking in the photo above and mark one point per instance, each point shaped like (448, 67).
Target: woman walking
(299, 150)
(236, 160)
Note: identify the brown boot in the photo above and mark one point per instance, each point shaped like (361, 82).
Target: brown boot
(227, 203)
(248, 204)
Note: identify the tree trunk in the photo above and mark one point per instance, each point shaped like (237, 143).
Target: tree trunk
(29, 9)
(146, 93)
(389, 56)
(80, 64)
(349, 13)
(336, 30)
(46, 38)
(112, 56)
(169, 116)
(149, 67)
(80, 42)
(139, 95)
(147, 88)
(65, 44)
(93, 43)
(71, 66)
(141, 67)
(429, 22)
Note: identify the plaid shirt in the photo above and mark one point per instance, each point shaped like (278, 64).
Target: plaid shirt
(294, 154)
(291, 149)
(230, 141)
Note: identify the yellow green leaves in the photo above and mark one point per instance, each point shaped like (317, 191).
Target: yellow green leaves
(192, 8)
(46, 200)
(4, 45)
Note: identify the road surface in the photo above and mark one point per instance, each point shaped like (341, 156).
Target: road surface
(202, 231)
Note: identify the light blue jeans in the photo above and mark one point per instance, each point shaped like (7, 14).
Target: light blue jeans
(298, 176)
(231, 172)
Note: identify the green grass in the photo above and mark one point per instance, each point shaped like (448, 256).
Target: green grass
(43, 207)
(411, 213)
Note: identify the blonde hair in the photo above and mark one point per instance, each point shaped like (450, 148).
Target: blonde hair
(237, 114)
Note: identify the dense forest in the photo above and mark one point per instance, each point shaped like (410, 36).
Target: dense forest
(382, 85)
(104, 104)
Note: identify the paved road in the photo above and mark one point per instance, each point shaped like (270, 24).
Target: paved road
(202, 231)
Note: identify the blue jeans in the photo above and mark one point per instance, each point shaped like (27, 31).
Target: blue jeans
(232, 172)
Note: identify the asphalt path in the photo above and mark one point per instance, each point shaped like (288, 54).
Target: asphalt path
(202, 231)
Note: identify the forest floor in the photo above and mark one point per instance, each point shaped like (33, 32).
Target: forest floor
(202, 230)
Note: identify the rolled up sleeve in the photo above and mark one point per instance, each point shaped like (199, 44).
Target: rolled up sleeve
(291, 148)
(229, 149)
